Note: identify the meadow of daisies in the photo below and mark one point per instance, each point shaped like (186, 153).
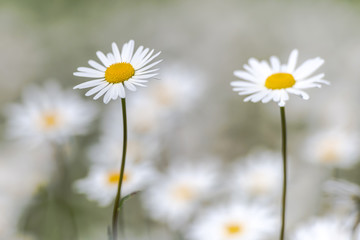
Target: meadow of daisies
(186, 120)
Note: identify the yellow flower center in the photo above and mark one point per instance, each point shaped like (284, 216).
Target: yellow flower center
(232, 229)
(119, 72)
(329, 152)
(183, 193)
(280, 81)
(50, 121)
(113, 177)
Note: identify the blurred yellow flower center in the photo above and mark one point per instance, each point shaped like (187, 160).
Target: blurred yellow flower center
(183, 193)
(50, 120)
(280, 81)
(119, 72)
(114, 177)
(233, 229)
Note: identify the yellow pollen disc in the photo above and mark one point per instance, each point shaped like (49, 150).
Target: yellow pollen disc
(280, 81)
(119, 72)
(232, 229)
(183, 193)
(49, 120)
(114, 177)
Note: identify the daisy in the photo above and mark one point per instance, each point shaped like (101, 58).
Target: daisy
(178, 81)
(236, 221)
(175, 196)
(333, 148)
(101, 183)
(344, 194)
(329, 228)
(118, 70)
(49, 115)
(259, 176)
(265, 82)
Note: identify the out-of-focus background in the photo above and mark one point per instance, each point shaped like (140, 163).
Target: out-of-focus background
(189, 116)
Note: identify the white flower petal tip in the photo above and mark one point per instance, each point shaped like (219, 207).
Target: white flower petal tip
(272, 81)
(118, 70)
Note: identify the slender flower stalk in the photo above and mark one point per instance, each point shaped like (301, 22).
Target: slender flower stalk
(117, 206)
(284, 146)
(272, 81)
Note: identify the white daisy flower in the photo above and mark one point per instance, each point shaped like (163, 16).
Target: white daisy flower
(175, 196)
(259, 177)
(49, 115)
(329, 228)
(179, 88)
(118, 70)
(265, 82)
(344, 195)
(333, 148)
(102, 181)
(236, 221)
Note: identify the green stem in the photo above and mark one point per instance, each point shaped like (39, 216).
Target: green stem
(122, 168)
(283, 205)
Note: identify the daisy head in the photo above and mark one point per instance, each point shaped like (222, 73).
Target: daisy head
(265, 82)
(176, 195)
(327, 228)
(49, 115)
(343, 195)
(118, 70)
(237, 221)
(333, 148)
(259, 176)
(101, 183)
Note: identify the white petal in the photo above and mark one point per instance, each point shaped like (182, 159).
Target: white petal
(139, 59)
(146, 76)
(88, 84)
(244, 75)
(111, 58)
(136, 58)
(150, 65)
(143, 63)
(99, 94)
(275, 64)
(109, 94)
(89, 70)
(115, 94)
(146, 72)
(131, 49)
(242, 84)
(89, 75)
(96, 89)
(144, 59)
(96, 65)
(307, 68)
(292, 60)
(130, 86)
(301, 93)
(121, 91)
(103, 58)
(116, 52)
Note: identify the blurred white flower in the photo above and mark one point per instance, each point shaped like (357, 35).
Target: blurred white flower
(179, 88)
(127, 69)
(175, 196)
(344, 195)
(264, 82)
(102, 181)
(49, 115)
(327, 228)
(143, 118)
(236, 221)
(259, 177)
(333, 148)
(109, 151)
